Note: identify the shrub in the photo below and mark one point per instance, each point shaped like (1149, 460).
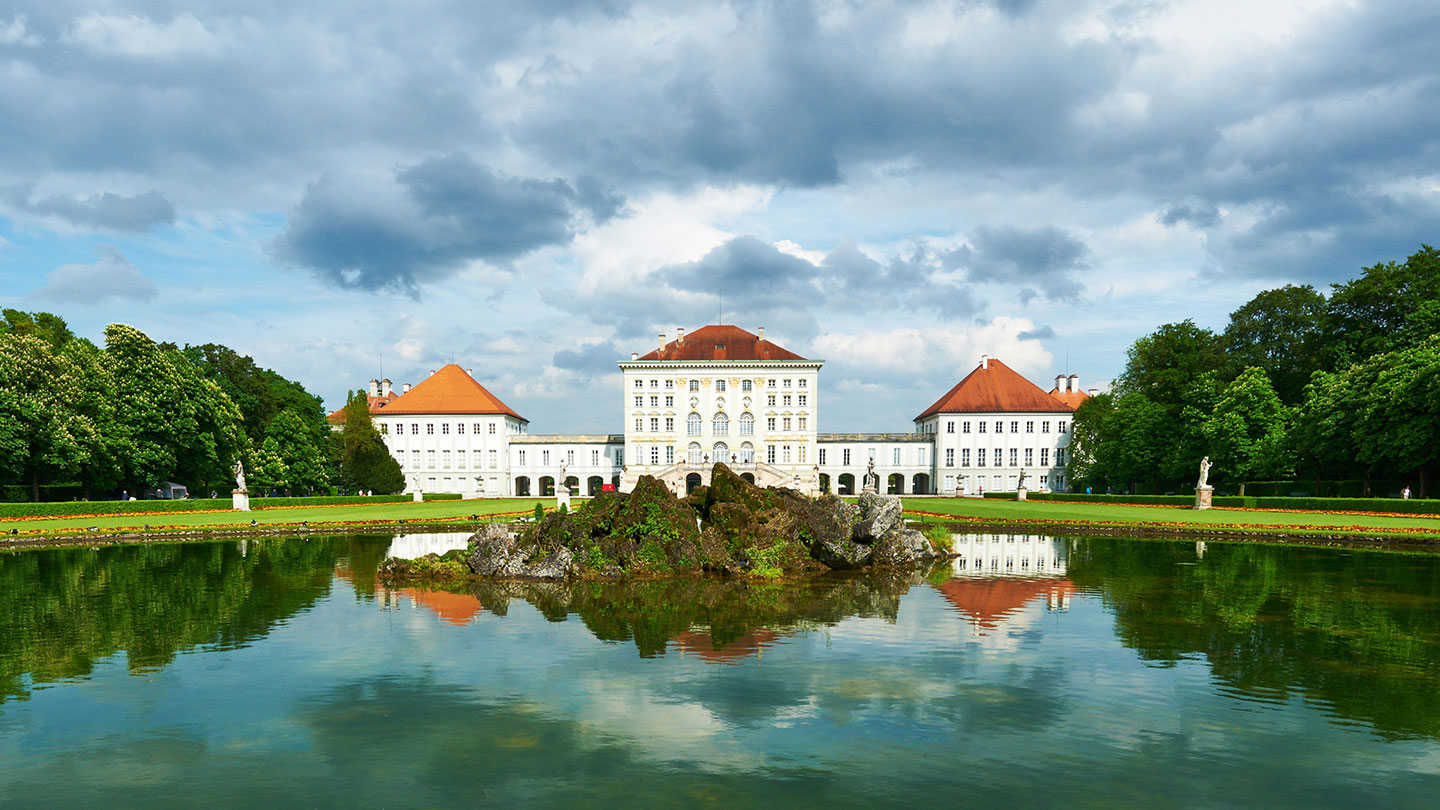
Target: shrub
(63, 508)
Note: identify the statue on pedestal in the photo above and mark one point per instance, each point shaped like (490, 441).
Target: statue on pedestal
(1022, 479)
(1204, 473)
(239, 471)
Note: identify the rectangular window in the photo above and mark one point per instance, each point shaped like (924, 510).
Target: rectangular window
(1059, 427)
(719, 386)
(494, 460)
(415, 459)
(694, 386)
(669, 400)
(785, 454)
(669, 423)
(965, 457)
(802, 400)
(770, 400)
(639, 401)
(594, 458)
(802, 382)
(845, 457)
(896, 457)
(965, 427)
(786, 424)
(1015, 427)
(785, 400)
(654, 401)
(639, 383)
(669, 385)
(654, 424)
(670, 455)
(639, 424)
(785, 384)
(570, 458)
(492, 428)
(769, 423)
(429, 429)
(801, 457)
(922, 453)
(384, 429)
(769, 454)
(654, 454)
(745, 386)
(982, 427)
(620, 457)
(1029, 427)
(460, 428)
(1060, 457)
(1029, 457)
(545, 458)
(822, 456)
(949, 457)
(522, 458)
(980, 457)
(769, 383)
(445, 458)
(802, 423)
(1045, 426)
(999, 426)
(1044, 457)
(429, 459)
(949, 426)
(414, 429)
(654, 383)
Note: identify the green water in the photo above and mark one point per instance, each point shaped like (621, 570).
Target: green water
(1053, 673)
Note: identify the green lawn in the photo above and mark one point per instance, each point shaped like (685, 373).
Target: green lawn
(1090, 512)
(429, 510)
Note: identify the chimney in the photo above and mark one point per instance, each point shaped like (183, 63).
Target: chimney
(662, 341)
(1060, 383)
(680, 335)
(1094, 392)
(634, 356)
(761, 333)
(432, 372)
(385, 388)
(374, 388)
(470, 371)
(985, 362)
(406, 389)
(1074, 384)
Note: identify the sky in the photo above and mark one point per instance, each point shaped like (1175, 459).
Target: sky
(346, 191)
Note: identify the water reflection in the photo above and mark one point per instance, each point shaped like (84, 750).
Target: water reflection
(414, 546)
(997, 575)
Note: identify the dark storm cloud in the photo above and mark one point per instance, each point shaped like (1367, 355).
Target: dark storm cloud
(435, 217)
(1200, 216)
(1034, 259)
(105, 211)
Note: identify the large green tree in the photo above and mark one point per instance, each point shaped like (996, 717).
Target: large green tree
(1279, 331)
(1391, 306)
(1247, 432)
(364, 462)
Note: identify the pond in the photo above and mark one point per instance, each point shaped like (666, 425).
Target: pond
(1032, 672)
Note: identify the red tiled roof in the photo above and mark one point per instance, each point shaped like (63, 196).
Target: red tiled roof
(721, 343)
(375, 403)
(988, 602)
(1071, 398)
(994, 387)
(449, 390)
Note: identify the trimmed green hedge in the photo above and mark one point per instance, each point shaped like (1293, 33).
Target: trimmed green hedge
(441, 496)
(62, 508)
(1411, 506)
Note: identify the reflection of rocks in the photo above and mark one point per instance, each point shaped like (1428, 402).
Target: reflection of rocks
(730, 526)
(655, 612)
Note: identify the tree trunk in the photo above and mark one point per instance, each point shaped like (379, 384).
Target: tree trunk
(35, 487)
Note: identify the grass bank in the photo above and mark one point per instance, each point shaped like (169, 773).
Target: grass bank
(1104, 518)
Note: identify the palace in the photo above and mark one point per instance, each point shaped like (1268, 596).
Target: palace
(725, 395)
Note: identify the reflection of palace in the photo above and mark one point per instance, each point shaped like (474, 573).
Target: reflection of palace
(722, 394)
(997, 575)
(701, 643)
(415, 546)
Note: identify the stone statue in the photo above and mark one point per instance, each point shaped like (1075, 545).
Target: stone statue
(239, 475)
(562, 472)
(1204, 473)
(1022, 479)
(479, 485)
(871, 479)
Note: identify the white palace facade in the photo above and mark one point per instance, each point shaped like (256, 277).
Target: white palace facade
(723, 394)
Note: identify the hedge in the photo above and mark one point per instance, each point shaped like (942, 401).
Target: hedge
(1411, 506)
(441, 496)
(62, 508)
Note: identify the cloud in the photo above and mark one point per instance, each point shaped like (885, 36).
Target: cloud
(15, 33)
(105, 211)
(591, 358)
(1038, 333)
(1046, 258)
(110, 278)
(431, 219)
(1198, 216)
(139, 37)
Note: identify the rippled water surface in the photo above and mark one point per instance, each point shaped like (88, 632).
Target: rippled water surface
(1034, 672)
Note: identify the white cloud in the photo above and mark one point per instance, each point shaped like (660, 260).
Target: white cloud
(956, 347)
(142, 38)
(16, 32)
(113, 277)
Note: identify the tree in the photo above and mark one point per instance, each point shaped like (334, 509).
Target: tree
(365, 463)
(51, 438)
(1279, 331)
(1247, 432)
(1165, 364)
(1377, 312)
(50, 328)
(294, 444)
(1399, 422)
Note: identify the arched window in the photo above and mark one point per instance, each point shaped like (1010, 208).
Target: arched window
(692, 424)
(721, 453)
(747, 424)
(695, 455)
(747, 453)
(720, 424)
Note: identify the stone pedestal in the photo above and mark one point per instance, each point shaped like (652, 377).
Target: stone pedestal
(1020, 494)
(417, 496)
(1203, 496)
(562, 497)
(240, 498)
